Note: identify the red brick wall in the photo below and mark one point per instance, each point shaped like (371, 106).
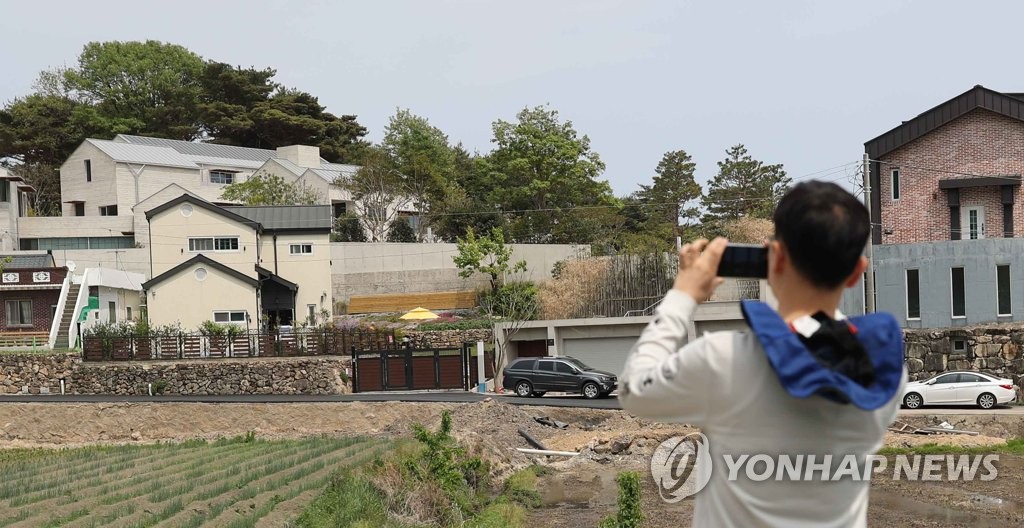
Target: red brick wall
(42, 300)
(982, 143)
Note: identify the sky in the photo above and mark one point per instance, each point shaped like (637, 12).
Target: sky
(800, 83)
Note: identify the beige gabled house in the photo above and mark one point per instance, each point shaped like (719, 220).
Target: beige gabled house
(248, 266)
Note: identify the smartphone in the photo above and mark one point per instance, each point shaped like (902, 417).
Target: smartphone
(744, 260)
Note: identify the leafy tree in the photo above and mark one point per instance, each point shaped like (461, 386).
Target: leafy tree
(672, 189)
(150, 88)
(541, 164)
(744, 187)
(269, 189)
(229, 96)
(379, 192)
(348, 228)
(421, 153)
(487, 254)
(401, 231)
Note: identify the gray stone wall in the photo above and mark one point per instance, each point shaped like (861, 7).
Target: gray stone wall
(995, 349)
(448, 338)
(39, 374)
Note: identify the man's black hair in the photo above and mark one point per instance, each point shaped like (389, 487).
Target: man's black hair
(824, 229)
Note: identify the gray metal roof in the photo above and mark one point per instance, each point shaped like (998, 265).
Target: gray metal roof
(290, 167)
(28, 261)
(143, 154)
(288, 217)
(210, 150)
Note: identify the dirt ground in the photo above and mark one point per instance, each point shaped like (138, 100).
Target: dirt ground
(580, 490)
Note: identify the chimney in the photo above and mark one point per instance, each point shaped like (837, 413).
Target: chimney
(301, 155)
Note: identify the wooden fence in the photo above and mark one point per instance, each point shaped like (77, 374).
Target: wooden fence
(251, 344)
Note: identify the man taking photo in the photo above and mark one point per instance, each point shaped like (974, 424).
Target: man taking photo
(803, 380)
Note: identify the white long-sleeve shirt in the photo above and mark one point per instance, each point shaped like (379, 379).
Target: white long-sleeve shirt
(723, 383)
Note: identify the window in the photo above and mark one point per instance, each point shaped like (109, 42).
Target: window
(546, 366)
(959, 345)
(222, 177)
(213, 244)
(340, 208)
(564, 368)
(895, 184)
(111, 312)
(108, 210)
(79, 208)
(311, 313)
(5, 191)
(948, 378)
(300, 249)
(225, 244)
(957, 284)
(971, 378)
(1003, 289)
(128, 313)
(913, 294)
(19, 313)
(88, 171)
(233, 316)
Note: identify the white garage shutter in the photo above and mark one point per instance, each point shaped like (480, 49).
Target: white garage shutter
(604, 353)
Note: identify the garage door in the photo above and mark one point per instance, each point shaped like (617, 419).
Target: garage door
(605, 353)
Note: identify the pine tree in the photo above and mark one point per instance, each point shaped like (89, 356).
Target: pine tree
(744, 187)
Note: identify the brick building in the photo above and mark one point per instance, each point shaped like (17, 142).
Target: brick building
(30, 289)
(947, 215)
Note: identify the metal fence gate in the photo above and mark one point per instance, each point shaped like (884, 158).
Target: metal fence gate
(410, 369)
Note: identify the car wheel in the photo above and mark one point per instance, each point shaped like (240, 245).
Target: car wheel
(591, 390)
(538, 394)
(986, 401)
(912, 400)
(523, 389)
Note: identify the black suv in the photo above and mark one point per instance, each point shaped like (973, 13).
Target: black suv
(535, 376)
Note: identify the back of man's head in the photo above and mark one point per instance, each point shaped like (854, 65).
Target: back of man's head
(824, 229)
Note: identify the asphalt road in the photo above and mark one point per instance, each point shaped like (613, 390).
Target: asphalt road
(439, 396)
(452, 397)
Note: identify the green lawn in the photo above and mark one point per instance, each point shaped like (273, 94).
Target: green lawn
(233, 483)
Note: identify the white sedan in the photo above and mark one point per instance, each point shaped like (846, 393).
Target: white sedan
(959, 388)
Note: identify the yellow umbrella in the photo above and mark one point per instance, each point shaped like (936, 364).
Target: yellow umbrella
(419, 314)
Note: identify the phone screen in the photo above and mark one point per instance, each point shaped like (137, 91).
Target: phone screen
(744, 260)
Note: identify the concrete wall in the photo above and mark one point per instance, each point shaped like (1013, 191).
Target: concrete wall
(934, 261)
(102, 190)
(367, 269)
(135, 260)
(9, 214)
(75, 226)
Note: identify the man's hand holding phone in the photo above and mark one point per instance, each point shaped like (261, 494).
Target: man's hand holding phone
(698, 268)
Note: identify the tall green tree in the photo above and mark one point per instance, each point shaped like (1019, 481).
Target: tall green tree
(673, 190)
(544, 165)
(270, 189)
(151, 88)
(421, 153)
(743, 187)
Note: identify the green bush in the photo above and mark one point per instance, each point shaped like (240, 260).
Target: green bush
(521, 487)
(513, 300)
(629, 514)
(465, 324)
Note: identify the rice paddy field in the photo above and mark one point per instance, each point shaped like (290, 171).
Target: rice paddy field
(237, 482)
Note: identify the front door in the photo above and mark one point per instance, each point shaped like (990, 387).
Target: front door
(973, 223)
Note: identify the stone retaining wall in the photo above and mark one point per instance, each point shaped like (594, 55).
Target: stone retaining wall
(995, 349)
(448, 338)
(41, 374)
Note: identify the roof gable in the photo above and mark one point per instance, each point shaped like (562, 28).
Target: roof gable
(198, 202)
(975, 98)
(200, 259)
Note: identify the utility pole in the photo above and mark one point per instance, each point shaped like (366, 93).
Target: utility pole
(869, 279)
